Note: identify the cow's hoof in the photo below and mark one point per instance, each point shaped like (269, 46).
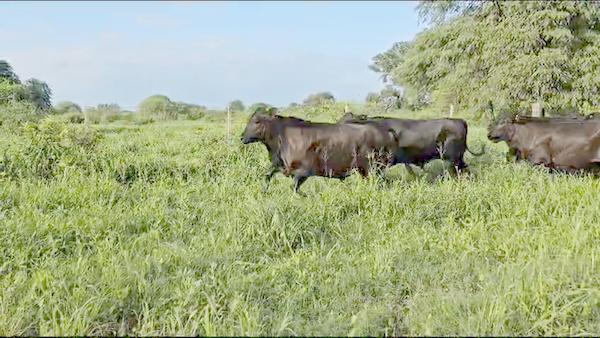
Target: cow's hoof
(300, 194)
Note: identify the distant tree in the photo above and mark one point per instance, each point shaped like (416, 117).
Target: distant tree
(372, 98)
(179, 107)
(37, 92)
(7, 73)
(157, 105)
(293, 105)
(63, 107)
(257, 105)
(108, 106)
(236, 105)
(194, 111)
(108, 112)
(319, 98)
(388, 98)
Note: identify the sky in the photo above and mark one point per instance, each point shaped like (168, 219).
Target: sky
(202, 52)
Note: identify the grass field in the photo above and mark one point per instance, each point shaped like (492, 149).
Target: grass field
(163, 229)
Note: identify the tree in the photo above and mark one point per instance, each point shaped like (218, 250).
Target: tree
(319, 98)
(157, 105)
(385, 63)
(108, 106)
(236, 105)
(372, 98)
(37, 92)
(509, 54)
(63, 107)
(7, 73)
(257, 105)
(388, 98)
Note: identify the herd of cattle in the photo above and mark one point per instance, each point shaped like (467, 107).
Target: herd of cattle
(303, 148)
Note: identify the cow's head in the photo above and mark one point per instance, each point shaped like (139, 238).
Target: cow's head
(257, 127)
(502, 128)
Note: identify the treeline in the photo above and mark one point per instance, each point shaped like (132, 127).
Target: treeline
(32, 99)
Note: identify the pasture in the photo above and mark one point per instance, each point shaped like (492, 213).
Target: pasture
(163, 229)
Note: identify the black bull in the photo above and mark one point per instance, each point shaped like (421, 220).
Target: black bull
(303, 149)
(420, 141)
(558, 144)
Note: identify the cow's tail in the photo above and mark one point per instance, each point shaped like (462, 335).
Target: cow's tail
(479, 153)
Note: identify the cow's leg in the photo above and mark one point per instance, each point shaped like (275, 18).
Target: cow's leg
(269, 176)
(363, 172)
(453, 151)
(298, 180)
(299, 177)
(461, 165)
(410, 169)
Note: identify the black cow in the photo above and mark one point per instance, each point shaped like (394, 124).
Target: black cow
(554, 143)
(302, 149)
(420, 141)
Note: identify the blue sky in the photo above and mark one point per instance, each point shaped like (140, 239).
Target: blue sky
(206, 53)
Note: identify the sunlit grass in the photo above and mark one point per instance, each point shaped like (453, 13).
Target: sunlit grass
(172, 235)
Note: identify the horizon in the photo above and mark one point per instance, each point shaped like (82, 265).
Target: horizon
(206, 53)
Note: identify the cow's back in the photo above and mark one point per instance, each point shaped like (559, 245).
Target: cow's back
(567, 145)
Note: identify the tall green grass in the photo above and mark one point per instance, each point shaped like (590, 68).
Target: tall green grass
(163, 229)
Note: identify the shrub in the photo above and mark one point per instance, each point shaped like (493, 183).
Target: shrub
(13, 113)
(53, 146)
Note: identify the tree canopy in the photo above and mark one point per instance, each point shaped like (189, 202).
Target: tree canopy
(7, 73)
(319, 98)
(257, 105)
(21, 102)
(63, 107)
(504, 53)
(37, 92)
(236, 105)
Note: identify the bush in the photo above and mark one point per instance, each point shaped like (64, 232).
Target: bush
(51, 147)
(13, 113)
(73, 117)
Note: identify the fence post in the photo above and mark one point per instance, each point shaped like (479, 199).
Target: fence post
(451, 110)
(228, 121)
(537, 110)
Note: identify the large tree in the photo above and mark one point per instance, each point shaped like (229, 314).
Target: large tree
(505, 53)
